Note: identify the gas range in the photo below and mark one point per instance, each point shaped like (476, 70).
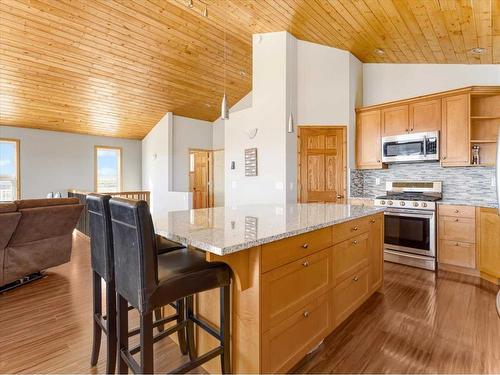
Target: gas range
(410, 222)
(413, 195)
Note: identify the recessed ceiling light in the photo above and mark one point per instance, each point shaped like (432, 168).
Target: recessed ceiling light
(478, 51)
(379, 51)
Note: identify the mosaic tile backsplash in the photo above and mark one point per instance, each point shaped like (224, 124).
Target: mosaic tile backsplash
(460, 183)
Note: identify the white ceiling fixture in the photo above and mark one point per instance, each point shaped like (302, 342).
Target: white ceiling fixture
(224, 107)
(478, 51)
(379, 51)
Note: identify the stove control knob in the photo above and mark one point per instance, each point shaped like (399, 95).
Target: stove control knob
(402, 203)
(382, 202)
(389, 203)
(424, 204)
(415, 204)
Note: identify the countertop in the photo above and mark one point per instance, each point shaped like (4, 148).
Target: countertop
(225, 230)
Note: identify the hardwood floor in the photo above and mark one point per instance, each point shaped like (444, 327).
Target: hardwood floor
(419, 323)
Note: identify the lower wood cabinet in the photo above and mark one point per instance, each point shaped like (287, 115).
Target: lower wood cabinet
(286, 343)
(489, 244)
(455, 253)
(376, 249)
(349, 295)
(350, 256)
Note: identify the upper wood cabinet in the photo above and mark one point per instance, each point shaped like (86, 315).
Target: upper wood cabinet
(368, 140)
(425, 116)
(395, 120)
(455, 134)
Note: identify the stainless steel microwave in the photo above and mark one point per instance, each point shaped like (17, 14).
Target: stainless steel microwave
(415, 147)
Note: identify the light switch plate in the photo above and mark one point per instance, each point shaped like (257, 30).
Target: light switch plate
(377, 181)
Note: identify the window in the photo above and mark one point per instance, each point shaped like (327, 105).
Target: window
(9, 169)
(108, 169)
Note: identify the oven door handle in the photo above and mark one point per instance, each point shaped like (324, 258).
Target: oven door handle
(410, 214)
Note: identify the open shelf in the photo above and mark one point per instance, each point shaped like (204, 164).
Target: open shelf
(485, 117)
(483, 141)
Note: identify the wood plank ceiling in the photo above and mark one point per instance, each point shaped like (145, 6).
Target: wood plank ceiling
(115, 67)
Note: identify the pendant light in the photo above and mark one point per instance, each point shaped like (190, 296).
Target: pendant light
(224, 108)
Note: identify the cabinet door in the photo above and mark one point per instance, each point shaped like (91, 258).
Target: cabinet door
(368, 142)
(349, 295)
(425, 116)
(455, 136)
(395, 120)
(489, 242)
(376, 246)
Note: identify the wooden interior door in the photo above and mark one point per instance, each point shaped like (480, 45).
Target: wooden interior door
(200, 173)
(322, 164)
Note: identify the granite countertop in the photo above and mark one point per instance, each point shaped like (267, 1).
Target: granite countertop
(469, 202)
(225, 230)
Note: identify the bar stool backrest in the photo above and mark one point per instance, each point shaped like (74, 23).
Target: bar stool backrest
(136, 263)
(101, 235)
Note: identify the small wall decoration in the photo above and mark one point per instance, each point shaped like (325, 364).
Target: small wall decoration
(251, 162)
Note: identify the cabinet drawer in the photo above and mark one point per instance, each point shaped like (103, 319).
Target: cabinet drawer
(284, 251)
(350, 256)
(349, 295)
(284, 345)
(342, 232)
(281, 252)
(457, 229)
(460, 254)
(457, 211)
(287, 288)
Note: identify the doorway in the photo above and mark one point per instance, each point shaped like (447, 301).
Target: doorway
(322, 164)
(200, 177)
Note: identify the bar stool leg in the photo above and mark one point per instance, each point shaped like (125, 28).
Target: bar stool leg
(190, 328)
(225, 329)
(158, 316)
(181, 335)
(96, 314)
(147, 357)
(111, 327)
(122, 306)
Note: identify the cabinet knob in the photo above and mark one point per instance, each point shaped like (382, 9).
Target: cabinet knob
(305, 246)
(456, 219)
(355, 242)
(305, 314)
(378, 161)
(457, 211)
(411, 130)
(355, 228)
(339, 196)
(305, 264)
(444, 157)
(355, 278)
(372, 221)
(407, 130)
(456, 244)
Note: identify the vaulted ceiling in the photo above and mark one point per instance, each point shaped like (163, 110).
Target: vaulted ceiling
(115, 67)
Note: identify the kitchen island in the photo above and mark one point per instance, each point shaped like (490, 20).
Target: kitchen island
(299, 270)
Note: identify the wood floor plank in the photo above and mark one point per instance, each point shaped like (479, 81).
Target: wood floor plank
(420, 322)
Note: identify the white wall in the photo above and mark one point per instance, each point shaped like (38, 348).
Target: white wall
(388, 82)
(187, 133)
(219, 176)
(268, 114)
(56, 161)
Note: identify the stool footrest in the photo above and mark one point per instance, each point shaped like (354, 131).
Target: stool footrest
(198, 361)
(205, 326)
(159, 336)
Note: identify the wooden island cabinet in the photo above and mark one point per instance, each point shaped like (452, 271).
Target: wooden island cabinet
(289, 294)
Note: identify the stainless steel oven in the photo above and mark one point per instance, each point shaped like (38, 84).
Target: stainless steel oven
(414, 147)
(411, 231)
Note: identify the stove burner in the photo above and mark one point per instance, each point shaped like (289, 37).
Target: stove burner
(410, 197)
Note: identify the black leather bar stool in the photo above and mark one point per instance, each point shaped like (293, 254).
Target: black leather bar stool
(148, 282)
(102, 260)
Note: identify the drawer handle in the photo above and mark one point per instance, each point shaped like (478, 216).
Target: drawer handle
(305, 314)
(456, 220)
(305, 264)
(355, 228)
(457, 211)
(355, 278)
(372, 221)
(355, 242)
(457, 244)
(305, 246)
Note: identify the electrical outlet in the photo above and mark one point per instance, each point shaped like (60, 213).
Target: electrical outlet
(377, 181)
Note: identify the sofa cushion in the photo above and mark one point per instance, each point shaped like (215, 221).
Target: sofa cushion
(8, 207)
(46, 202)
(36, 256)
(45, 222)
(8, 223)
